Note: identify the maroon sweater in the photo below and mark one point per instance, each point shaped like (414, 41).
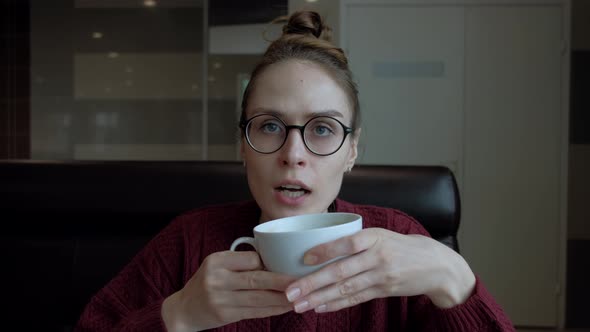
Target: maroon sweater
(132, 300)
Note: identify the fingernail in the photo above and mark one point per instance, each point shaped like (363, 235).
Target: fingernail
(293, 294)
(301, 306)
(310, 259)
(321, 308)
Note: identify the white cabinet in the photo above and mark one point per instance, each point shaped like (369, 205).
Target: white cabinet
(513, 156)
(478, 87)
(410, 77)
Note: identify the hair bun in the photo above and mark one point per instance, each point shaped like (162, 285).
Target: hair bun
(307, 23)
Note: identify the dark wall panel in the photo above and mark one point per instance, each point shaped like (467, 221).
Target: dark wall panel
(231, 12)
(578, 276)
(14, 79)
(580, 97)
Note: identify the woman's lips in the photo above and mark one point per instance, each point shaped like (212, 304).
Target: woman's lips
(291, 195)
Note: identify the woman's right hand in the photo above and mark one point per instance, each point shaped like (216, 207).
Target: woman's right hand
(228, 287)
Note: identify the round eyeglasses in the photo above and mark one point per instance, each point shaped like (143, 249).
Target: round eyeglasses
(322, 135)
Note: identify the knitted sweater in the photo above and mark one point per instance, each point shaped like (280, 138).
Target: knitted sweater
(132, 301)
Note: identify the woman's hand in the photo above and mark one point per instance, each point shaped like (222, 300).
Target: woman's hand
(229, 286)
(382, 264)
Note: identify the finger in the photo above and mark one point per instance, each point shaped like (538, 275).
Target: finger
(255, 298)
(259, 298)
(332, 273)
(263, 280)
(237, 260)
(344, 246)
(350, 301)
(335, 292)
(254, 312)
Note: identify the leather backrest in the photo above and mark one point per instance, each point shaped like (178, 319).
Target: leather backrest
(166, 189)
(427, 193)
(70, 226)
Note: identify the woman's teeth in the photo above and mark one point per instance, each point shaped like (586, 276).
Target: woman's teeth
(290, 186)
(293, 194)
(292, 191)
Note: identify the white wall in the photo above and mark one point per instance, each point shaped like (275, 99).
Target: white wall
(513, 139)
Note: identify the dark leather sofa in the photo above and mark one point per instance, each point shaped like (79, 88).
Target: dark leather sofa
(68, 227)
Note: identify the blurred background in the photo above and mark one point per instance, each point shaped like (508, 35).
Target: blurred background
(495, 90)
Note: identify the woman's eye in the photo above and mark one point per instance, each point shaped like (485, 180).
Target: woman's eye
(322, 130)
(271, 128)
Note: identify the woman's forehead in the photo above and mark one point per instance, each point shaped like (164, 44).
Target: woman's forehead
(298, 90)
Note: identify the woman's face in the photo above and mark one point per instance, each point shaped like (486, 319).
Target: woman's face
(292, 180)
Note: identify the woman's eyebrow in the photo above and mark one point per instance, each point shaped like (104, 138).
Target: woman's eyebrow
(332, 113)
(262, 110)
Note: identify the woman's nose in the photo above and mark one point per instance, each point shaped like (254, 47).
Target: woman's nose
(293, 152)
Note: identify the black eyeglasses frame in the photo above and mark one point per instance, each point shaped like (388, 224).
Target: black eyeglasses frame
(245, 123)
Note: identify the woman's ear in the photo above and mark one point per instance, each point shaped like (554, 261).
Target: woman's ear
(353, 154)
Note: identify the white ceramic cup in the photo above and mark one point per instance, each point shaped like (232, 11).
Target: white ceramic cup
(281, 243)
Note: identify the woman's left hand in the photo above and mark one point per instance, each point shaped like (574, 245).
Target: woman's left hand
(382, 263)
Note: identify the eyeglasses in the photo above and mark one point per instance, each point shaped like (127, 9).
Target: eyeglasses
(322, 135)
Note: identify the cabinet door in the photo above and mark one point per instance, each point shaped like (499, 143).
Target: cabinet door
(408, 62)
(511, 210)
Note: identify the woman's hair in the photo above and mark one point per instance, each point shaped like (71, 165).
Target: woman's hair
(306, 37)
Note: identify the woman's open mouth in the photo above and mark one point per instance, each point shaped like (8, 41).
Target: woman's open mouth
(292, 194)
(292, 191)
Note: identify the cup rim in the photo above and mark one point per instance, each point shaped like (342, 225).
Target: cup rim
(357, 218)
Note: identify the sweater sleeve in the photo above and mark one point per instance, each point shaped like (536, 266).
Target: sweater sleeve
(480, 313)
(132, 300)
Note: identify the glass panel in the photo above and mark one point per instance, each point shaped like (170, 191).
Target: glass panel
(236, 43)
(127, 79)
(116, 79)
(228, 75)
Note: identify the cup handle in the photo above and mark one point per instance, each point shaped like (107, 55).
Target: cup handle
(246, 239)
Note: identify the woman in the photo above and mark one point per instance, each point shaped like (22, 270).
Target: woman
(300, 124)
